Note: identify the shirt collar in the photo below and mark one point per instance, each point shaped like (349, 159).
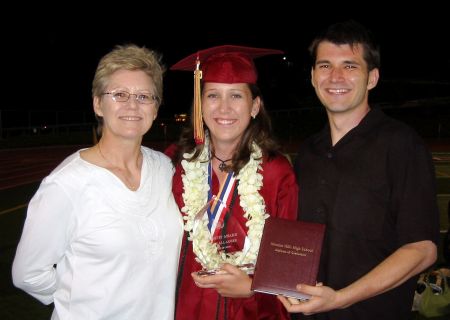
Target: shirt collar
(370, 121)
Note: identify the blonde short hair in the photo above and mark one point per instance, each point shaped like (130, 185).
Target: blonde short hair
(129, 57)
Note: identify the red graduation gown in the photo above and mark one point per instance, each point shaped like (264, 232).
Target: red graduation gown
(280, 193)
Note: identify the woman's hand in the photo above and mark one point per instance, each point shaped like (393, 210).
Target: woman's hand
(229, 281)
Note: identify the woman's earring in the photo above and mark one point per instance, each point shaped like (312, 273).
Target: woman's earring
(253, 116)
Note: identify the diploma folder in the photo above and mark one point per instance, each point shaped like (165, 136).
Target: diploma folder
(289, 254)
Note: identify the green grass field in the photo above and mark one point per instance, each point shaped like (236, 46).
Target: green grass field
(442, 169)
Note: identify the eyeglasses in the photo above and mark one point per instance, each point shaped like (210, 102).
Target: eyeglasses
(123, 96)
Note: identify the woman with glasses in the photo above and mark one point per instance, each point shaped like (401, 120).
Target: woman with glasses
(233, 167)
(102, 235)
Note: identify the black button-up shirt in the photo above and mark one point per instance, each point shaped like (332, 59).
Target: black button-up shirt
(375, 191)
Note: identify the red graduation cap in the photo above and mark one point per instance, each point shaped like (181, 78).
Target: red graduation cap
(225, 64)
(222, 64)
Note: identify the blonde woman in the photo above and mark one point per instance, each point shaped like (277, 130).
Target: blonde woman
(102, 235)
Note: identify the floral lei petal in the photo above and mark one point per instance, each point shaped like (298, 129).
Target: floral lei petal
(195, 184)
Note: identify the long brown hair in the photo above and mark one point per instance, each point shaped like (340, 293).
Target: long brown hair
(259, 131)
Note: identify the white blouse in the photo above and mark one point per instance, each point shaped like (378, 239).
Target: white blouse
(98, 250)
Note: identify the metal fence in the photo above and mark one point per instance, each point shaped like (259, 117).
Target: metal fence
(23, 128)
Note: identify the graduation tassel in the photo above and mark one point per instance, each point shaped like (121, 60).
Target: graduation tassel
(222, 64)
(199, 133)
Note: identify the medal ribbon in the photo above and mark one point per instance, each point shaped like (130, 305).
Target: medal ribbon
(221, 203)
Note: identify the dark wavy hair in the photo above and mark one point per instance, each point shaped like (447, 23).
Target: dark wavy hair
(259, 131)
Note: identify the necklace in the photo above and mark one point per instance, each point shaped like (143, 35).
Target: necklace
(195, 196)
(222, 166)
(127, 181)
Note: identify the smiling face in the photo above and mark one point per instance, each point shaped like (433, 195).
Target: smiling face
(341, 79)
(130, 119)
(227, 110)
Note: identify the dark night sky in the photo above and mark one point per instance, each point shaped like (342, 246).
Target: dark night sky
(51, 59)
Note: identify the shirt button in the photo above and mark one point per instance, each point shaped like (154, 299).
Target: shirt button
(322, 181)
(329, 155)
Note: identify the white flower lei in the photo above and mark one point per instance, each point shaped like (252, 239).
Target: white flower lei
(195, 184)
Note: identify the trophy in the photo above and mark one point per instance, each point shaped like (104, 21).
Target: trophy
(221, 239)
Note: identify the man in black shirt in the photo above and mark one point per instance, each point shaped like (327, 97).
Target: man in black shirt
(371, 180)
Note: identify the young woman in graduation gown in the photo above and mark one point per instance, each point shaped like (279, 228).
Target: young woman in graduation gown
(232, 165)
